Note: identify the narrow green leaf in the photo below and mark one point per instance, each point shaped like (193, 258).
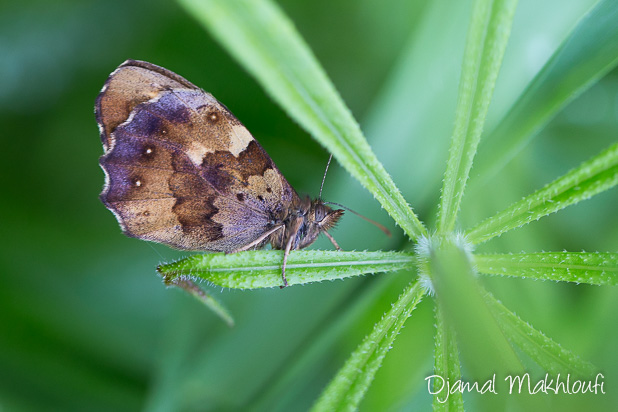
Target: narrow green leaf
(348, 387)
(283, 388)
(594, 176)
(266, 44)
(586, 55)
(484, 349)
(262, 268)
(487, 37)
(410, 120)
(579, 267)
(198, 293)
(446, 365)
(548, 354)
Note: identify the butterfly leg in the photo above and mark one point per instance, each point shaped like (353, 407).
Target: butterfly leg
(332, 240)
(288, 247)
(258, 240)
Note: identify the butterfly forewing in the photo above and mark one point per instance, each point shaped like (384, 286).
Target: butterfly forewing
(180, 168)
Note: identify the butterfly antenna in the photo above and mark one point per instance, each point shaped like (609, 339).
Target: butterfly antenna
(324, 178)
(373, 222)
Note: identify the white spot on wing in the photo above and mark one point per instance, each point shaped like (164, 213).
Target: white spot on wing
(197, 151)
(239, 140)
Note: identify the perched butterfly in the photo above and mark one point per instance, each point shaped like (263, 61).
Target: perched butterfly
(182, 170)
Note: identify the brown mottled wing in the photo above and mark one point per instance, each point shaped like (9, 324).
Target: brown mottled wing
(180, 168)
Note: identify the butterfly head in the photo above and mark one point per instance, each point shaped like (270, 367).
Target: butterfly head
(318, 218)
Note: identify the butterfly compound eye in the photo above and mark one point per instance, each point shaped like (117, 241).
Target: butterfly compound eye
(320, 213)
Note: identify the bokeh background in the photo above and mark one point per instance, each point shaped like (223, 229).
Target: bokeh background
(85, 322)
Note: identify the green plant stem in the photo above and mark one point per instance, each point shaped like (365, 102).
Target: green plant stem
(446, 366)
(484, 349)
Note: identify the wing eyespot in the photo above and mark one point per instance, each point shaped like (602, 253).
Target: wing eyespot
(137, 181)
(212, 117)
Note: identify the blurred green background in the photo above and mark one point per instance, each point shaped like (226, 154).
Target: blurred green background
(86, 324)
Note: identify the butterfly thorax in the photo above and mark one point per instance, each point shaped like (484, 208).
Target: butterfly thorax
(303, 222)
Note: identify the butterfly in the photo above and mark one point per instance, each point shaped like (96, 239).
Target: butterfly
(181, 170)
